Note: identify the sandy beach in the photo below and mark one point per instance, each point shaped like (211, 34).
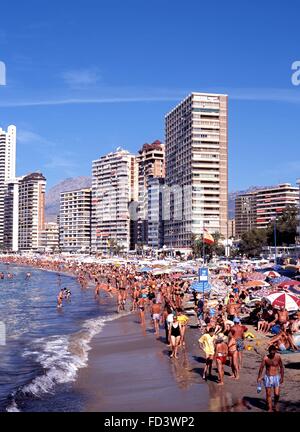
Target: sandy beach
(129, 370)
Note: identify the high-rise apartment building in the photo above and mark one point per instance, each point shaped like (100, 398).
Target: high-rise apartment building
(298, 229)
(49, 237)
(75, 220)
(7, 169)
(114, 188)
(31, 210)
(155, 212)
(258, 208)
(245, 213)
(271, 202)
(196, 168)
(11, 216)
(151, 164)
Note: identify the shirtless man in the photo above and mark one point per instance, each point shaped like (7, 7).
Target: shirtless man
(273, 377)
(156, 312)
(231, 311)
(239, 334)
(283, 316)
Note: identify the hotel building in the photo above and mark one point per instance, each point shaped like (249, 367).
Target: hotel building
(196, 168)
(155, 237)
(31, 210)
(151, 164)
(49, 238)
(270, 203)
(7, 169)
(24, 212)
(257, 209)
(114, 188)
(298, 229)
(75, 220)
(245, 213)
(11, 216)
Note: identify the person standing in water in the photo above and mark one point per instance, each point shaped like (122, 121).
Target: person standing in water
(175, 334)
(221, 352)
(207, 343)
(60, 298)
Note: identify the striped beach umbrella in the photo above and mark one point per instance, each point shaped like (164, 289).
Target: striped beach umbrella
(289, 283)
(271, 274)
(283, 299)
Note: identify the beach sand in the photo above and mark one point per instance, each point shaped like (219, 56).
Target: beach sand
(130, 371)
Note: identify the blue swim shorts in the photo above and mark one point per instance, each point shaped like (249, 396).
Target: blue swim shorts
(272, 381)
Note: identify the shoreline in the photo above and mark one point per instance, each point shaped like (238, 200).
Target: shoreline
(129, 370)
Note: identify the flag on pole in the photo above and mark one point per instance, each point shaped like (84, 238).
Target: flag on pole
(207, 237)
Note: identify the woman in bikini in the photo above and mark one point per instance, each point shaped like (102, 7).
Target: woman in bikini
(221, 352)
(234, 356)
(141, 307)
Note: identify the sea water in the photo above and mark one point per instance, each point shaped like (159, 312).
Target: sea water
(45, 346)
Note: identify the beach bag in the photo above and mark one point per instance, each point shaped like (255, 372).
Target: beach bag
(275, 329)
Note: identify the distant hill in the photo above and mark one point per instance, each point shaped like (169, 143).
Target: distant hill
(53, 196)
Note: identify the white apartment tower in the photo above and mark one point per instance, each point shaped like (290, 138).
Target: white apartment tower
(11, 216)
(196, 168)
(7, 168)
(114, 188)
(151, 164)
(31, 210)
(75, 220)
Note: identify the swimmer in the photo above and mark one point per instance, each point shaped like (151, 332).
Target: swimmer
(60, 298)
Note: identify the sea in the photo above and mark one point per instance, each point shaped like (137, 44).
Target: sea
(45, 347)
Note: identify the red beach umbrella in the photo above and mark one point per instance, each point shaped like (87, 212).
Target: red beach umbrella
(289, 283)
(283, 299)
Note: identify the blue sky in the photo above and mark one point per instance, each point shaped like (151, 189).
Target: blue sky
(85, 77)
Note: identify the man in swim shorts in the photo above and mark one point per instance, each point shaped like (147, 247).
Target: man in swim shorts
(273, 377)
(156, 313)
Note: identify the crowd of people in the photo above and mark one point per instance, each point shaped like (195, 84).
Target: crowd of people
(163, 299)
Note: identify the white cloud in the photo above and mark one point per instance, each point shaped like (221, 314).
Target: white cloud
(25, 136)
(139, 95)
(81, 78)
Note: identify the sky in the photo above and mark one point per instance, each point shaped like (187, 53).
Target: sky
(88, 76)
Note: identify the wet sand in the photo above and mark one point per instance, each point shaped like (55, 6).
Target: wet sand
(130, 370)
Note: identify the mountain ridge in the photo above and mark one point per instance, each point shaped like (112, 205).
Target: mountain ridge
(80, 182)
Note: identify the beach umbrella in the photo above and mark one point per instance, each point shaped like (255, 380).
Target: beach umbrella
(283, 299)
(280, 279)
(289, 283)
(277, 268)
(271, 274)
(145, 270)
(258, 283)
